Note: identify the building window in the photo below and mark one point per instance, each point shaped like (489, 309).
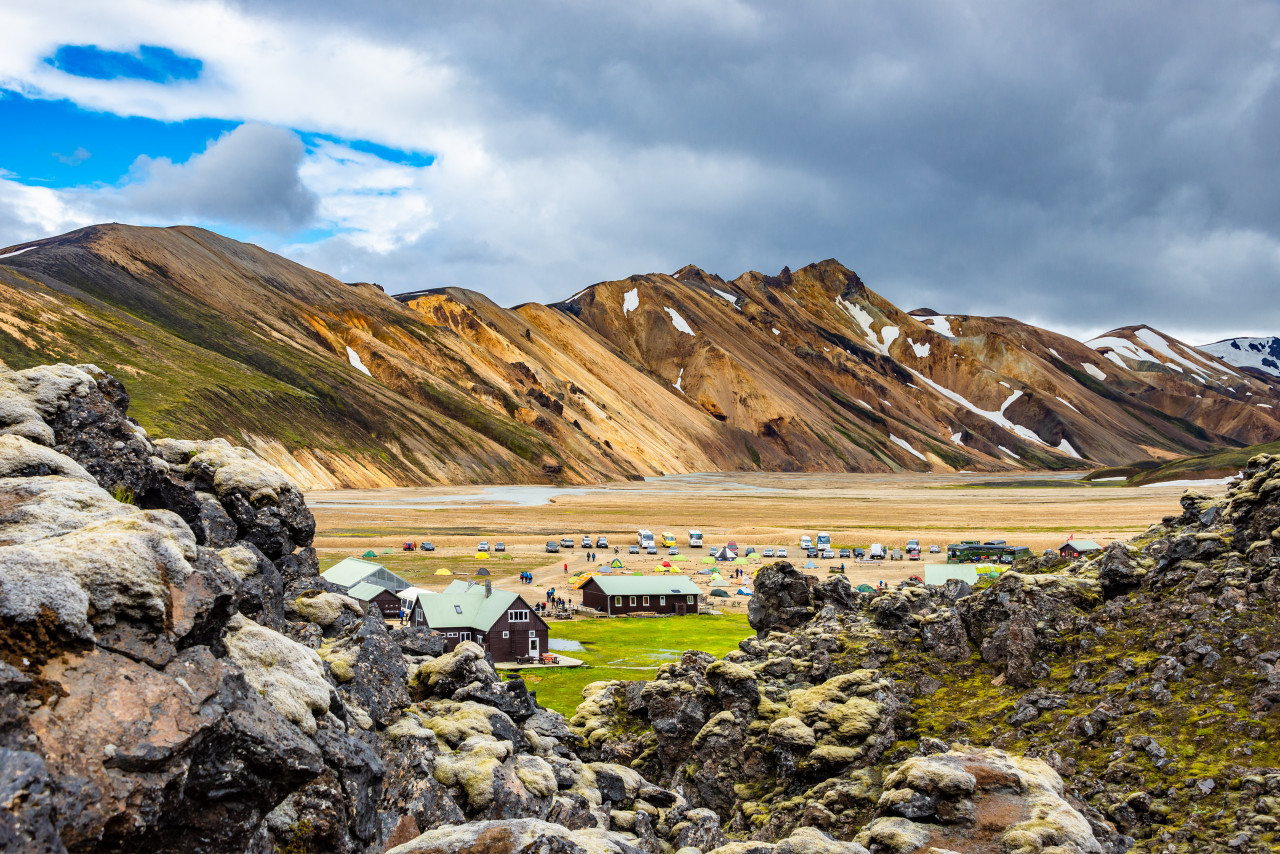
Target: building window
(420, 615)
(662, 600)
(452, 635)
(690, 598)
(617, 600)
(457, 609)
(633, 600)
(506, 634)
(518, 616)
(646, 600)
(532, 633)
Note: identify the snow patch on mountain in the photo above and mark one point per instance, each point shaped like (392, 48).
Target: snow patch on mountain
(957, 439)
(921, 350)
(677, 321)
(630, 301)
(939, 324)
(902, 443)
(1068, 404)
(1066, 448)
(354, 358)
(1094, 371)
(17, 252)
(997, 416)
(728, 297)
(679, 380)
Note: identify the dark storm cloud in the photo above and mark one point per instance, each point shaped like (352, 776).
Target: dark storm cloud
(1084, 165)
(246, 177)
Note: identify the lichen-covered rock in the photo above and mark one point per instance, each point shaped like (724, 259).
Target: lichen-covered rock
(288, 674)
(370, 670)
(519, 836)
(445, 675)
(977, 798)
(786, 598)
(21, 457)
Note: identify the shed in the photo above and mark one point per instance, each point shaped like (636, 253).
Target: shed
(669, 594)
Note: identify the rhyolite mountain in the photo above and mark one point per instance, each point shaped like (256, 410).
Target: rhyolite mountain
(343, 385)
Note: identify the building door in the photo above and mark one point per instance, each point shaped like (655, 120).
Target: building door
(679, 609)
(533, 646)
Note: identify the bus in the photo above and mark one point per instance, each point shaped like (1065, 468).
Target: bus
(645, 539)
(668, 539)
(824, 540)
(695, 539)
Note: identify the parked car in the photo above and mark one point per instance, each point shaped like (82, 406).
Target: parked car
(633, 549)
(499, 547)
(750, 551)
(426, 547)
(914, 554)
(827, 554)
(653, 550)
(552, 547)
(811, 552)
(483, 547)
(767, 553)
(782, 551)
(602, 542)
(933, 550)
(876, 552)
(586, 541)
(673, 550)
(859, 553)
(896, 554)
(913, 544)
(566, 542)
(845, 553)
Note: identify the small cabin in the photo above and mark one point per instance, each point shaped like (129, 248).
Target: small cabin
(1078, 548)
(349, 572)
(499, 620)
(376, 596)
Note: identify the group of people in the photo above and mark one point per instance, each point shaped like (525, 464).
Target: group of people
(556, 602)
(526, 578)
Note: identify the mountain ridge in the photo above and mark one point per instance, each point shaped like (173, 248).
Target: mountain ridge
(808, 370)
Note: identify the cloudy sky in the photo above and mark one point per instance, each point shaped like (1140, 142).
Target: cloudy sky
(1080, 165)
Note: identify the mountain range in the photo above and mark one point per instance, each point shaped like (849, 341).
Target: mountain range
(341, 384)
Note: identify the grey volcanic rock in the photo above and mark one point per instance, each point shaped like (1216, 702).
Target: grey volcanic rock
(786, 598)
(419, 640)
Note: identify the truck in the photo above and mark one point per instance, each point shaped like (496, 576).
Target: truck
(824, 540)
(913, 545)
(876, 552)
(695, 539)
(644, 539)
(806, 542)
(668, 539)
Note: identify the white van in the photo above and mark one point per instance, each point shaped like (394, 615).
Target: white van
(695, 539)
(876, 552)
(806, 542)
(645, 539)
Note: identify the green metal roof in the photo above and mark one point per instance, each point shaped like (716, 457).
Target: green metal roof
(1081, 545)
(350, 571)
(365, 591)
(649, 585)
(464, 605)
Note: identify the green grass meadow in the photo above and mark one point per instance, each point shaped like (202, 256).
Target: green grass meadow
(629, 648)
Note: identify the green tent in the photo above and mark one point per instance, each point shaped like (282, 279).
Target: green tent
(704, 560)
(739, 560)
(370, 553)
(866, 588)
(637, 572)
(617, 564)
(721, 593)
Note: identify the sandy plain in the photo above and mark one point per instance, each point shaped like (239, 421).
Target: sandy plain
(766, 509)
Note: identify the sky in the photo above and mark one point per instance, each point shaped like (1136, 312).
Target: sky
(1081, 166)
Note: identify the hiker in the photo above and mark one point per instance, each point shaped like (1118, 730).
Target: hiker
(566, 569)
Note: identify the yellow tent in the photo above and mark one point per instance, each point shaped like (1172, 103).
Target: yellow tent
(583, 579)
(482, 555)
(443, 571)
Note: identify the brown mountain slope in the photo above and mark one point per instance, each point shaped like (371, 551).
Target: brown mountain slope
(810, 370)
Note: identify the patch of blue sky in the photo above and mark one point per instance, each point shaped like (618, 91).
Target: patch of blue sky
(149, 62)
(58, 144)
(399, 156)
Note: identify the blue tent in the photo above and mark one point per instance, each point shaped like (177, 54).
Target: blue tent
(742, 591)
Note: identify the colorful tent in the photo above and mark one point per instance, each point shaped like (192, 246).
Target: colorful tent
(637, 572)
(720, 582)
(482, 555)
(369, 553)
(810, 565)
(724, 594)
(866, 588)
(484, 570)
(742, 591)
(739, 560)
(716, 576)
(443, 571)
(707, 560)
(617, 564)
(724, 553)
(583, 579)
(667, 564)
(704, 572)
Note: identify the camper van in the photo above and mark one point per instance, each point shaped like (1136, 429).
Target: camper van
(806, 542)
(824, 540)
(668, 539)
(695, 539)
(645, 539)
(876, 551)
